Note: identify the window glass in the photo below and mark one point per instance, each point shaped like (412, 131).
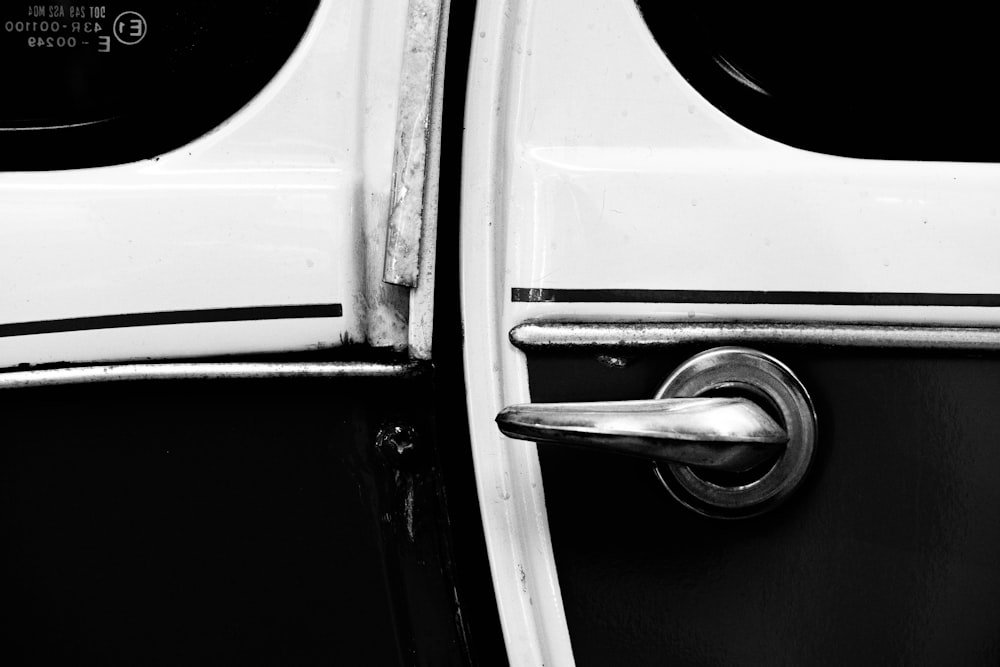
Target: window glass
(855, 81)
(88, 83)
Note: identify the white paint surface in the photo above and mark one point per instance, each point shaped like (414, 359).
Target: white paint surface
(266, 210)
(591, 163)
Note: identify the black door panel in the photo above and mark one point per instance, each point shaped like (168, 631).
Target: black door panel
(291, 522)
(890, 553)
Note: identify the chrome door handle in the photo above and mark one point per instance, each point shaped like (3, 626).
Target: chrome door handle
(722, 455)
(731, 434)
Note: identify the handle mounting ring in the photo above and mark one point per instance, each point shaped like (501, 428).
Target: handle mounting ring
(739, 370)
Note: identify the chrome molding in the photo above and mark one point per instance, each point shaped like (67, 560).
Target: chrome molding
(207, 371)
(541, 335)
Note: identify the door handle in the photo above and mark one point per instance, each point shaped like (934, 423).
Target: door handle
(730, 434)
(713, 446)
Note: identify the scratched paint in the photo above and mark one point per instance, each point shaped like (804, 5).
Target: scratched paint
(422, 296)
(386, 306)
(416, 95)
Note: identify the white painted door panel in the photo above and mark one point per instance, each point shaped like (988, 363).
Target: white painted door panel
(274, 213)
(600, 186)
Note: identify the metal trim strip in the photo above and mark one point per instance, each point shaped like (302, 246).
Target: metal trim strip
(540, 335)
(208, 371)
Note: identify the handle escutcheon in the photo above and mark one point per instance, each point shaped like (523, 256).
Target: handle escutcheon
(740, 370)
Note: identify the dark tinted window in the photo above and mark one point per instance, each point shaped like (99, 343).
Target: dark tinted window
(97, 83)
(855, 81)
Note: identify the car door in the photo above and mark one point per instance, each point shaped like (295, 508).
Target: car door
(216, 283)
(717, 210)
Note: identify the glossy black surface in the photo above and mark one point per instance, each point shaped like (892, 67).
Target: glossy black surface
(225, 523)
(92, 84)
(889, 554)
(856, 80)
(479, 606)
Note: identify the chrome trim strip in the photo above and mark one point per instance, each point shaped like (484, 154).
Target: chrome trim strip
(207, 371)
(541, 335)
